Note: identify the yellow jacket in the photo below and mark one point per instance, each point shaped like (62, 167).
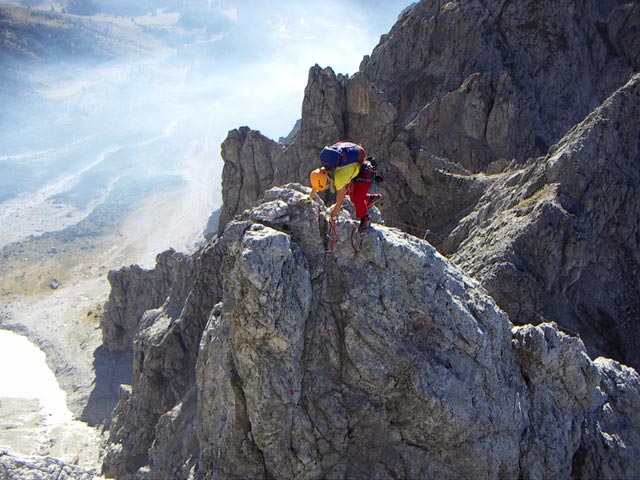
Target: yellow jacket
(343, 175)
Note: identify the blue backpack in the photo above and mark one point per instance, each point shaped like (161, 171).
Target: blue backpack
(341, 154)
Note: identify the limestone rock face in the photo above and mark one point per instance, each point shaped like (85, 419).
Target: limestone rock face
(337, 365)
(482, 84)
(135, 290)
(481, 80)
(562, 387)
(250, 162)
(620, 386)
(381, 359)
(559, 238)
(165, 351)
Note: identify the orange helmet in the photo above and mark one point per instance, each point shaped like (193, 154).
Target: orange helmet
(319, 179)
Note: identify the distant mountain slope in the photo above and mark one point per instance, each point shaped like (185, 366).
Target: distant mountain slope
(27, 34)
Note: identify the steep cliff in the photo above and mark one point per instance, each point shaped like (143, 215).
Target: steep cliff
(379, 360)
(560, 238)
(484, 80)
(165, 344)
(135, 290)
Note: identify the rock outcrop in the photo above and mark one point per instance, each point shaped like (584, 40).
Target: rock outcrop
(36, 468)
(379, 360)
(135, 290)
(560, 238)
(250, 166)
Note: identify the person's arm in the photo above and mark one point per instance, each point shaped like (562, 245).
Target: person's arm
(340, 194)
(313, 196)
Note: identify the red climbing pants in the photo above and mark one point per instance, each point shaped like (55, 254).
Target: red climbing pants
(359, 195)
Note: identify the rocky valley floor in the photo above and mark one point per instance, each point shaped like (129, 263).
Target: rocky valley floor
(52, 290)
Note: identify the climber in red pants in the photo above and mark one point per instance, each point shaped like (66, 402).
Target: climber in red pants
(354, 179)
(358, 190)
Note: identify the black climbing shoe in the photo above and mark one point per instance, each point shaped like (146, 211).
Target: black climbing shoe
(365, 223)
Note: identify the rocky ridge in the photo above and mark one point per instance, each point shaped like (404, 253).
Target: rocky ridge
(560, 238)
(380, 360)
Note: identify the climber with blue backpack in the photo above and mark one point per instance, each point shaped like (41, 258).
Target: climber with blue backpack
(349, 171)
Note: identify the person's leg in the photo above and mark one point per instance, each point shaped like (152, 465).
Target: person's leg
(359, 197)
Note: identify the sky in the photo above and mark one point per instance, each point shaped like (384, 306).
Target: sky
(268, 47)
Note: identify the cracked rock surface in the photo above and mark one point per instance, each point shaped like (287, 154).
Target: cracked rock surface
(379, 360)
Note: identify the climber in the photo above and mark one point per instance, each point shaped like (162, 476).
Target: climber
(346, 169)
